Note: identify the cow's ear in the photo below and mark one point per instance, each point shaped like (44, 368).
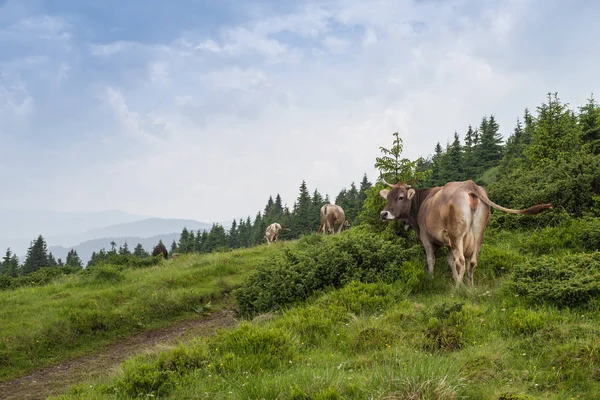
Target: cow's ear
(410, 193)
(384, 193)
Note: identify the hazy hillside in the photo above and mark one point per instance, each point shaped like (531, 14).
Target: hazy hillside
(86, 249)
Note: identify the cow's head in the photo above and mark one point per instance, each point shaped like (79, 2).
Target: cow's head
(399, 199)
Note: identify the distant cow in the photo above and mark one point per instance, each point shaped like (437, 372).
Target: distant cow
(272, 233)
(333, 219)
(452, 215)
(175, 255)
(160, 249)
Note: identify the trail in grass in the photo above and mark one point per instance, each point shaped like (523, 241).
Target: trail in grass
(58, 378)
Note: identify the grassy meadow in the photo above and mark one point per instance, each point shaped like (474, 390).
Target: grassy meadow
(356, 317)
(82, 312)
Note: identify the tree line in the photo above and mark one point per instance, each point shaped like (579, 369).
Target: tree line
(552, 156)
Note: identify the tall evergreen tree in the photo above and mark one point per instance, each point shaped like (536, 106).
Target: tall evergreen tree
(10, 265)
(174, 247)
(37, 256)
(489, 150)
(123, 250)
(302, 212)
(234, 241)
(556, 136)
(51, 260)
(73, 259)
(436, 171)
(184, 240)
(139, 251)
(469, 167)
(113, 247)
(364, 186)
(455, 160)
(589, 120)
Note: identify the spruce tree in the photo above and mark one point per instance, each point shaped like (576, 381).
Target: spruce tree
(73, 259)
(233, 235)
(364, 186)
(37, 256)
(123, 250)
(302, 212)
(589, 120)
(51, 260)
(139, 251)
(10, 265)
(174, 247)
(469, 170)
(455, 160)
(184, 239)
(490, 147)
(556, 136)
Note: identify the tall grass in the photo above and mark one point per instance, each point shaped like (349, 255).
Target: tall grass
(79, 312)
(378, 340)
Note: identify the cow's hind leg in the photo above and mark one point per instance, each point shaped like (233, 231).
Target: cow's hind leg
(430, 251)
(457, 247)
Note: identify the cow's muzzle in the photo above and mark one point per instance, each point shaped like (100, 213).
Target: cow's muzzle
(386, 215)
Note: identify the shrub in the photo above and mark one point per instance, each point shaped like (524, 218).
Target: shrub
(567, 281)
(523, 322)
(256, 347)
(40, 277)
(318, 263)
(107, 274)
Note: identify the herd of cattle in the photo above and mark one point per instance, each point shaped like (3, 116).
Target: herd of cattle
(453, 215)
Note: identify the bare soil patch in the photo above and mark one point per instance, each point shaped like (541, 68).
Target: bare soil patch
(56, 379)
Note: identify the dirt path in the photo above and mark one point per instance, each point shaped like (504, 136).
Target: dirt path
(56, 379)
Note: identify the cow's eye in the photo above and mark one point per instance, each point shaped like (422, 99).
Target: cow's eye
(400, 197)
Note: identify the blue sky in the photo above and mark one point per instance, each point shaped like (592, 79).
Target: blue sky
(201, 109)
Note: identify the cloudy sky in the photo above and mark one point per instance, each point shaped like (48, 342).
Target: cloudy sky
(201, 109)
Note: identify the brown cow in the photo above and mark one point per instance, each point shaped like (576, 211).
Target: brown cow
(452, 215)
(160, 249)
(175, 256)
(272, 233)
(333, 219)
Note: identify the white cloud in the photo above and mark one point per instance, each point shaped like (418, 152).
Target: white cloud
(190, 127)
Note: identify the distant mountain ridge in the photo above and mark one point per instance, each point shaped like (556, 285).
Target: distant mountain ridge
(85, 249)
(144, 228)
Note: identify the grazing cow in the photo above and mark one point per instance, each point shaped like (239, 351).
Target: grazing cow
(175, 255)
(160, 249)
(272, 233)
(454, 215)
(333, 219)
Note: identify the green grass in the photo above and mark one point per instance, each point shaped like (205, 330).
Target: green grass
(378, 340)
(78, 313)
(371, 341)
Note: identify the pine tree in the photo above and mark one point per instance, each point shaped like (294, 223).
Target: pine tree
(455, 160)
(556, 135)
(589, 120)
(436, 172)
(113, 247)
(513, 151)
(10, 265)
(184, 239)
(51, 260)
(278, 207)
(217, 238)
(60, 262)
(364, 186)
(73, 259)
(139, 251)
(302, 212)
(489, 151)
(123, 250)
(316, 204)
(233, 235)
(469, 170)
(174, 247)
(37, 256)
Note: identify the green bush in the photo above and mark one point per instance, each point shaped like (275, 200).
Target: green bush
(106, 274)
(318, 263)
(42, 276)
(567, 281)
(519, 321)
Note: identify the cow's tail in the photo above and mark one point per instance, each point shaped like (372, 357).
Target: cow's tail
(538, 208)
